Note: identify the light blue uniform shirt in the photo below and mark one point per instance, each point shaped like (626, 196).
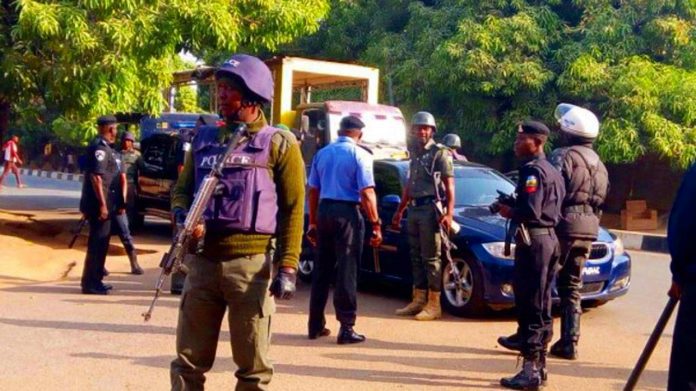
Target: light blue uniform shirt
(341, 170)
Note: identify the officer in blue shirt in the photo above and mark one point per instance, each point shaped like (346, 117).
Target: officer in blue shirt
(682, 247)
(340, 182)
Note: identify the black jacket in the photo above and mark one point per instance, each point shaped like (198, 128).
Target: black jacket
(681, 231)
(587, 184)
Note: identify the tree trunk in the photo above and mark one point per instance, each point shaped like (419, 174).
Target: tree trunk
(4, 120)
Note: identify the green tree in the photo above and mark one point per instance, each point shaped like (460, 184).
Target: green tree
(66, 62)
(186, 100)
(481, 66)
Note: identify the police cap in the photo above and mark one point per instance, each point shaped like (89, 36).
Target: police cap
(534, 128)
(106, 120)
(351, 122)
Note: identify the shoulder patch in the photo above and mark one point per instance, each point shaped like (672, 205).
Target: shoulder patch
(531, 184)
(99, 155)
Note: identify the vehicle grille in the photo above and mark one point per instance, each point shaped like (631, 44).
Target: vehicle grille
(592, 287)
(599, 250)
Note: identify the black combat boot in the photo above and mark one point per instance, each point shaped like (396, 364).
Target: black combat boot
(511, 342)
(346, 335)
(529, 378)
(133, 258)
(567, 346)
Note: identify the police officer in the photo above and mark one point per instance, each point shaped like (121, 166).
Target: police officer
(587, 183)
(340, 181)
(430, 182)
(682, 247)
(260, 196)
(98, 200)
(537, 210)
(130, 161)
(453, 143)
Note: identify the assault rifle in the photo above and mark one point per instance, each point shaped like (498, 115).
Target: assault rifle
(172, 260)
(512, 228)
(447, 245)
(77, 231)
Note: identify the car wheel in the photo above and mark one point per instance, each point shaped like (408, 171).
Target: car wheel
(305, 268)
(463, 295)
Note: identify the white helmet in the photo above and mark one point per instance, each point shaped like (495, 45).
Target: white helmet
(577, 121)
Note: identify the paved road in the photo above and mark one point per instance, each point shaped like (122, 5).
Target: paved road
(59, 339)
(52, 337)
(40, 193)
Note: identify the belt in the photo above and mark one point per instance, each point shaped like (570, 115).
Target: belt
(420, 201)
(345, 202)
(541, 231)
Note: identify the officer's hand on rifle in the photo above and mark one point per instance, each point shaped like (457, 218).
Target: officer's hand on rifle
(283, 286)
(675, 291)
(312, 234)
(446, 221)
(505, 211)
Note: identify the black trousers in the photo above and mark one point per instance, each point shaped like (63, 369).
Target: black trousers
(533, 275)
(682, 367)
(97, 246)
(340, 235)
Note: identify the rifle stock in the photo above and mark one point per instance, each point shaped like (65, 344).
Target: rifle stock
(172, 260)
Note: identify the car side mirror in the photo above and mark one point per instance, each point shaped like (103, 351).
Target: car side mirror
(391, 200)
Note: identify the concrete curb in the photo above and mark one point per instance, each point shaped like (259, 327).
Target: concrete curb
(64, 176)
(642, 241)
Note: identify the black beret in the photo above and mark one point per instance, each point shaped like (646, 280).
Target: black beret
(533, 127)
(351, 122)
(106, 120)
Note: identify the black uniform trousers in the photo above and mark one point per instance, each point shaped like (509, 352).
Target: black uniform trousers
(340, 235)
(533, 276)
(97, 247)
(682, 367)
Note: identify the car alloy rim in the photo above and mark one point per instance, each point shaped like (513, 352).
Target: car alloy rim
(306, 266)
(458, 292)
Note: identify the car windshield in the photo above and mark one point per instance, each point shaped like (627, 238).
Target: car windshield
(380, 129)
(478, 186)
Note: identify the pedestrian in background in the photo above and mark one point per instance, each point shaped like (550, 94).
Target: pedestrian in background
(11, 160)
(537, 211)
(430, 187)
(681, 235)
(233, 272)
(127, 161)
(341, 180)
(99, 197)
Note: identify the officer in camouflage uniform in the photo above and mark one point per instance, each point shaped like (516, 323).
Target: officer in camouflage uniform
(264, 177)
(430, 183)
(453, 143)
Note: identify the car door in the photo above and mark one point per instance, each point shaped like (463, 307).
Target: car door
(391, 259)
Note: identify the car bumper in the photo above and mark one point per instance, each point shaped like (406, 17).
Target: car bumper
(498, 276)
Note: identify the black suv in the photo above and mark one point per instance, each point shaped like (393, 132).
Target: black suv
(162, 161)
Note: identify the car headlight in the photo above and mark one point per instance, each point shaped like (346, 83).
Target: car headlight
(619, 246)
(497, 249)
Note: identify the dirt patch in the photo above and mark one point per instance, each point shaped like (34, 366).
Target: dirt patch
(35, 248)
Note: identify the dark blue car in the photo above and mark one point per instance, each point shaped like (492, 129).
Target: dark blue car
(485, 272)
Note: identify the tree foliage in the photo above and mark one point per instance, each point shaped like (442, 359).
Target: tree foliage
(481, 66)
(66, 62)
